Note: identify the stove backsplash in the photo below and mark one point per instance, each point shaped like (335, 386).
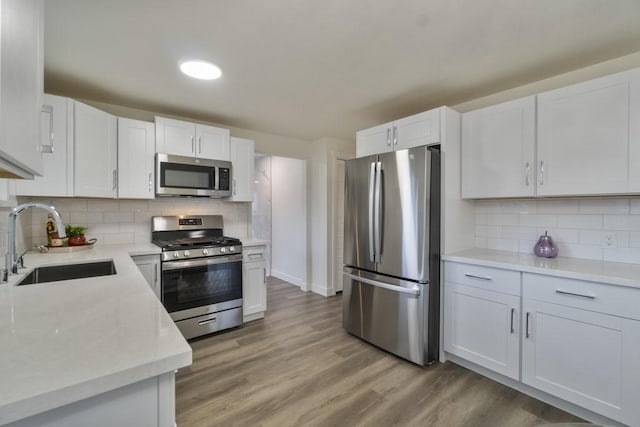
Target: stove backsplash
(129, 221)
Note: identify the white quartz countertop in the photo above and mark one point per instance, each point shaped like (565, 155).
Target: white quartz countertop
(64, 341)
(615, 273)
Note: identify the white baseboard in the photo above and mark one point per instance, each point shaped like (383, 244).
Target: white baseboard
(322, 290)
(288, 278)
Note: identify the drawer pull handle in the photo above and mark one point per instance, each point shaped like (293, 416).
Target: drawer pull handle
(526, 328)
(513, 312)
(473, 276)
(560, 291)
(207, 321)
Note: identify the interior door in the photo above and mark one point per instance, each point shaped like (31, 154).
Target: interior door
(358, 244)
(404, 231)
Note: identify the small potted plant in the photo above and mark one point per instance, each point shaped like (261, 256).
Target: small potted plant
(76, 235)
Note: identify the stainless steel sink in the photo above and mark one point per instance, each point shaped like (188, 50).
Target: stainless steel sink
(68, 272)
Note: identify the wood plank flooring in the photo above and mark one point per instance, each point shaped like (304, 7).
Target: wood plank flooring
(298, 367)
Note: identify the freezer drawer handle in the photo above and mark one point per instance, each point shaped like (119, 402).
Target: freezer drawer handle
(473, 276)
(415, 291)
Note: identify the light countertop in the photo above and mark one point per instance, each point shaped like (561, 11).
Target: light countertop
(254, 242)
(615, 273)
(61, 342)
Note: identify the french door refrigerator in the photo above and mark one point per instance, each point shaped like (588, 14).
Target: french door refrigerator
(391, 294)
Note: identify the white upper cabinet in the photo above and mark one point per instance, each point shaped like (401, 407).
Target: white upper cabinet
(96, 146)
(412, 131)
(56, 132)
(584, 139)
(498, 150)
(190, 139)
(136, 147)
(21, 87)
(242, 158)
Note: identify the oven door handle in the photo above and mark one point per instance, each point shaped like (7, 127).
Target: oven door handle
(200, 262)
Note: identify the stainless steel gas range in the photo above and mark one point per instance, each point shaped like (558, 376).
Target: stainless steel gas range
(201, 273)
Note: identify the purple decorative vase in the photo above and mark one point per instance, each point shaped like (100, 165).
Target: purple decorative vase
(545, 247)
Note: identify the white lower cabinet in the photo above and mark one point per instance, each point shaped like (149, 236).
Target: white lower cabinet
(254, 290)
(575, 340)
(574, 351)
(482, 307)
(149, 266)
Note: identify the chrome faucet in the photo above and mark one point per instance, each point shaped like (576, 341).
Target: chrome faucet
(11, 266)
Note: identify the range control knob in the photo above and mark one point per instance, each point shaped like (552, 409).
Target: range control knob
(205, 252)
(176, 254)
(232, 249)
(223, 250)
(186, 253)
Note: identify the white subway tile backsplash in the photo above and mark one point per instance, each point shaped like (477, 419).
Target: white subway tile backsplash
(134, 205)
(629, 255)
(576, 225)
(86, 218)
(622, 222)
(604, 206)
(118, 217)
(538, 220)
(580, 221)
(558, 207)
(96, 205)
(118, 238)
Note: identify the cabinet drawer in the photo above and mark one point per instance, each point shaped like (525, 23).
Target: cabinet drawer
(253, 253)
(593, 296)
(494, 279)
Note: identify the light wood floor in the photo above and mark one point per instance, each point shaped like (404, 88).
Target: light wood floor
(298, 367)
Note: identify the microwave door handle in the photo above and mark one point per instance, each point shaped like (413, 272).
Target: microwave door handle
(216, 178)
(372, 180)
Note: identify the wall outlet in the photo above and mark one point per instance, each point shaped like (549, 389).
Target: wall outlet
(609, 240)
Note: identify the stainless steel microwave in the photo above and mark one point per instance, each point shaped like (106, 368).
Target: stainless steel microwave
(189, 176)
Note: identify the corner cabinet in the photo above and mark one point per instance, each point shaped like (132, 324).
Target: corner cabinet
(254, 287)
(412, 131)
(96, 148)
(191, 139)
(242, 158)
(21, 87)
(136, 148)
(56, 132)
(149, 266)
(498, 150)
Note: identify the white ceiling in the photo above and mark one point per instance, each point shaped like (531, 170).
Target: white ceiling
(313, 68)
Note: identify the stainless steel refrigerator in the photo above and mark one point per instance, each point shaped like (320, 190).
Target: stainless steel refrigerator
(391, 282)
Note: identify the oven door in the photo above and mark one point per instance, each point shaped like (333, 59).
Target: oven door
(200, 286)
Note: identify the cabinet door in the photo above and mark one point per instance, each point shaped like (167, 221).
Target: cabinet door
(21, 86)
(56, 128)
(136, 146)
(175, 137)
(498, 150)
(414, 131)
(482, 326)
(634, 133)
(243, 168)
(254, 291)
(374, 140)
(212, 142)
(149, 266)
(95, 146)
(584, 357)
(583, 138)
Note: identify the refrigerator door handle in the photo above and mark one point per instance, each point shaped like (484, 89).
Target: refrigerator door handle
(376, 220)
(372, 180)
(415, 291)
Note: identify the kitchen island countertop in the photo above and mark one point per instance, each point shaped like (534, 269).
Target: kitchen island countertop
(61, 342)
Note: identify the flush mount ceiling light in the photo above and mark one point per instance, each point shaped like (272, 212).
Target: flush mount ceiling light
(200, 70)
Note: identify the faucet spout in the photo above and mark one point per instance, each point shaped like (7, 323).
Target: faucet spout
(12, 257)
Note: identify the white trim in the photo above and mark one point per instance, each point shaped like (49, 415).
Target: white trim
(289, 279)
(322, 290)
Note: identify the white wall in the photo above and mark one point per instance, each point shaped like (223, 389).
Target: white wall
(261, 207)
(289, 220)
